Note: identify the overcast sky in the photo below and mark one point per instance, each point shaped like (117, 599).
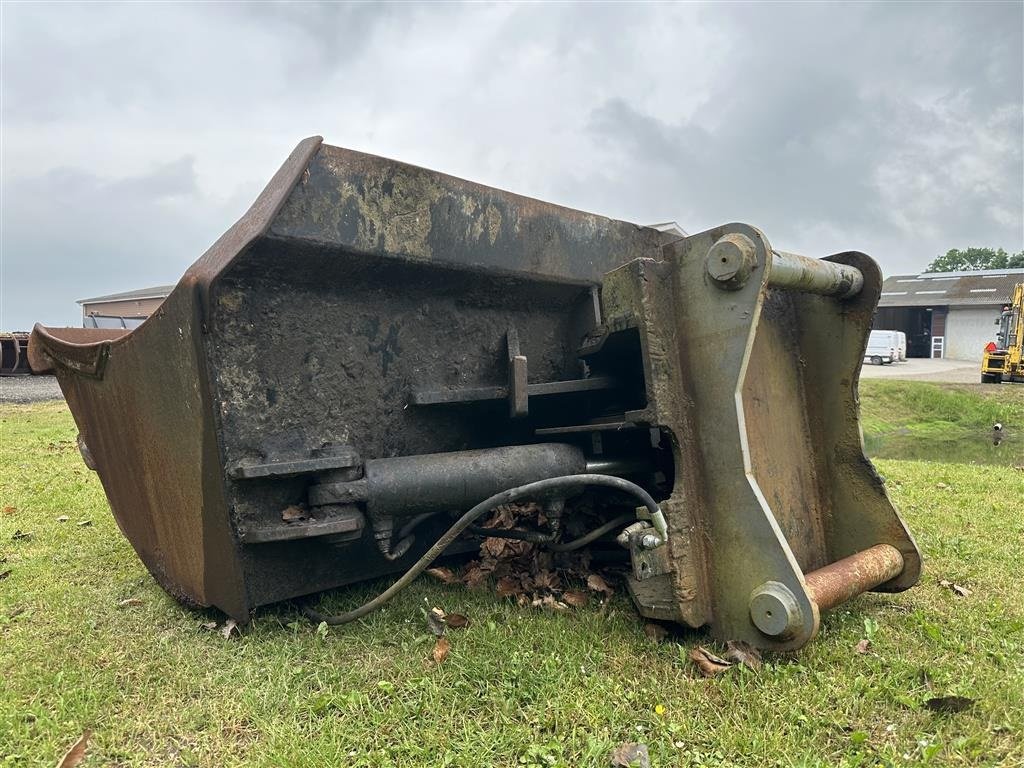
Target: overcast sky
(133, 135)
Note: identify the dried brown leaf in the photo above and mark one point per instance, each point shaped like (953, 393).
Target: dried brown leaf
(76, 753)
(456, 621)
(656, 632)
(441, 649)
(541, 560)
(444, 575)
(596, 583)
(863, 646)
(5, 574)
(708, 663)
(508, 586)
(547, 580)
(475, 575)
(547, 601)
(131, 602)
(209, 626)
(230, 627)
(499, 549)
(20, 534)
(956, 589)
(9, 510)
(576, 598)
(949, 704)
(63, 519)
(435, 621)
(293, 514)
(742, 652)
(84, 523)
(507, 515)
(630, 755)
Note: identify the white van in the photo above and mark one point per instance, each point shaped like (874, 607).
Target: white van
(883, 347)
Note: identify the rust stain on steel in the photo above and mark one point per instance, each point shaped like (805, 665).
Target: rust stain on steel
(370, 205)
(143, 406)
(845, 579)
(782, 430)
(83, 350)
(146, 421)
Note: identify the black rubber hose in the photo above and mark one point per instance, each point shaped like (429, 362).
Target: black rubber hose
(594, 535)
(533, 537)
(544, 539)
(413, 524)
(505, 497)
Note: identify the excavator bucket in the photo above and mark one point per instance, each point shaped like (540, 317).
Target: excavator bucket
(14, 354)
(375, 348)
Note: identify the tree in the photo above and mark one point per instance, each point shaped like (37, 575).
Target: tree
(974, 259)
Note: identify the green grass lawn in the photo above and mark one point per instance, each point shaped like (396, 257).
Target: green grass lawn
(521, 686)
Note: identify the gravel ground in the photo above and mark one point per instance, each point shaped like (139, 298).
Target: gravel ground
(943, 371)
(29, 389)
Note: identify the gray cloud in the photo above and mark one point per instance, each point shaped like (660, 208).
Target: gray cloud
(74, 234)
(134, 135)
(882, 126)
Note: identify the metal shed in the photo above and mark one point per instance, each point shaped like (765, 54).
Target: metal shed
(122, 310)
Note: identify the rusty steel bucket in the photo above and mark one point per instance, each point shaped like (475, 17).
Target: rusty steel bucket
(374, 348)
(14, 354)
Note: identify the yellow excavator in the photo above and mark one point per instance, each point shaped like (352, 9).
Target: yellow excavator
(1003, 357)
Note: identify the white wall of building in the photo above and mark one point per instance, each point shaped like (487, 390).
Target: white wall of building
(968, 330)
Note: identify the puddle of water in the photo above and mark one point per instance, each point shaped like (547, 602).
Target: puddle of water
(968, 448)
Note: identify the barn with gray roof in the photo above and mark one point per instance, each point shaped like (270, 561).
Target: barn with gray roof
(123, 310)
(946, 314)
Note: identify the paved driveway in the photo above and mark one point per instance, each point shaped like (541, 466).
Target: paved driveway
(919, 369)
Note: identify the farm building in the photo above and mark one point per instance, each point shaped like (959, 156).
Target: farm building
(946, 314)
(123, 310)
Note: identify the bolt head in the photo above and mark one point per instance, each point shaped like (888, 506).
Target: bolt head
(775, 611)
(731, 259)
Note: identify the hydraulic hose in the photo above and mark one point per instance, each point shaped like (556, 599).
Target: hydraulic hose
(593, 535)
(545, 539)
(539, 487)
